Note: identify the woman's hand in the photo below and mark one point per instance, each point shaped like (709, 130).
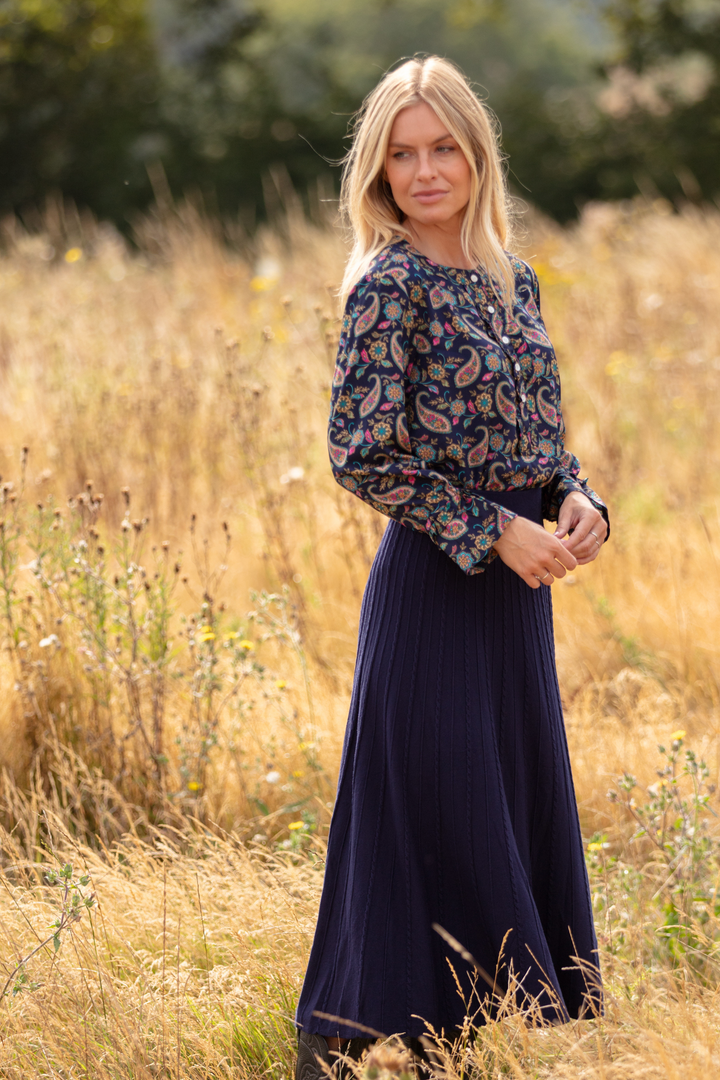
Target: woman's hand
(536, 555)
(581, 528)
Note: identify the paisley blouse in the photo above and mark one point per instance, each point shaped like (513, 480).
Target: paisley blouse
(442, 396)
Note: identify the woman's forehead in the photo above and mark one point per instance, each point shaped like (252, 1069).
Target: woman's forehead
(417, 122)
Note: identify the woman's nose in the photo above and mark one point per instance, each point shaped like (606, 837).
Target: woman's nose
(425, 166)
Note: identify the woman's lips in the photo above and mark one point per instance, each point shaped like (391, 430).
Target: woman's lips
(429, 196)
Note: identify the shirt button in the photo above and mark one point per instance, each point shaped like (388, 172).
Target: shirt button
(505, 340)
(522, 397)
(473, 277)
(517, 367)
(491, 309)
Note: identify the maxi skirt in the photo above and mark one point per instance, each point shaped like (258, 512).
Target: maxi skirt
(455, 808)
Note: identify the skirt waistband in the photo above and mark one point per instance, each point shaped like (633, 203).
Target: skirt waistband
(527, 502)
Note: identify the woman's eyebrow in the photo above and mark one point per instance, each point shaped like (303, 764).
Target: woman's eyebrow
(407, 146)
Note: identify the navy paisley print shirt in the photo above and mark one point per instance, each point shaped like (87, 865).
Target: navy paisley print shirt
(441, 397)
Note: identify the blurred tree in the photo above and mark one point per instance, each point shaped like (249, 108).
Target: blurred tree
(92, 92)
(222, 92)
(661, 100)
(284, 94)
(226, 120)
(79, 86)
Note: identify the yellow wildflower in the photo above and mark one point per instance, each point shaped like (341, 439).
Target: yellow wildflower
(595, 847)
(618, 360)
(73, 255)
(245, 644)
(678, 736)
(205, 634)
(295, 825)
(193, 785)
(280, 683)
(298, 773)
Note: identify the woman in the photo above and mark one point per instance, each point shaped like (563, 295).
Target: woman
(455, 807)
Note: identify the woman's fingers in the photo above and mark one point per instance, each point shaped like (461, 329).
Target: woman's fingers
(534, 554)
(569, 513)
(557, 568)
(565, 558)
(589, 549)
(590, 529)
(581, 527)
(586, 545)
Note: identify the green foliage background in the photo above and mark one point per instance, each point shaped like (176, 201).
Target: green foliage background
(596, 98)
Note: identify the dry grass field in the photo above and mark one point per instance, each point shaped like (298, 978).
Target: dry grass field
(180, 582)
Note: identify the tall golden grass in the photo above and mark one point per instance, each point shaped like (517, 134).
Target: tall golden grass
(177, 739)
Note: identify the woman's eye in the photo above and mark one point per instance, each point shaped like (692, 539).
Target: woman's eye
(445, 149)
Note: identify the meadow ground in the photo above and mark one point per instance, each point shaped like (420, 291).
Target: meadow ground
(180, 582)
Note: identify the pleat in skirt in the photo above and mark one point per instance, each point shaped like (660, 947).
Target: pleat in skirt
(455, 809)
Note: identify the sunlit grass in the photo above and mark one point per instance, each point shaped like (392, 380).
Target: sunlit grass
(186, 755)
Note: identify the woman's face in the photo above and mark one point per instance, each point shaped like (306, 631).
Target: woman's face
(426, 169)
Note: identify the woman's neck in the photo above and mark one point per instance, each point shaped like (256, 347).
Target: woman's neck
(440, 243)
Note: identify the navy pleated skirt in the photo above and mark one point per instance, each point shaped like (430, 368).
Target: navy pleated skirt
(455, 808)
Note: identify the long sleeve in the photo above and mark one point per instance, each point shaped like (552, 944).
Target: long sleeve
(372, 412)
(567, 479)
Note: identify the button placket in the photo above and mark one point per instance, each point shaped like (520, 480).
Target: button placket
(504, 340)
(517, 370)
(492, 319)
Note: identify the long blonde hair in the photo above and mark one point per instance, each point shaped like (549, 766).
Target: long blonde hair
(366, 200)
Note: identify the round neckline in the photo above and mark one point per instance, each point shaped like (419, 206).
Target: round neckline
(440, 266)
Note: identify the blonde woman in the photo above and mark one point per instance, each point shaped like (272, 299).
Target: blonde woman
(455, 806)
